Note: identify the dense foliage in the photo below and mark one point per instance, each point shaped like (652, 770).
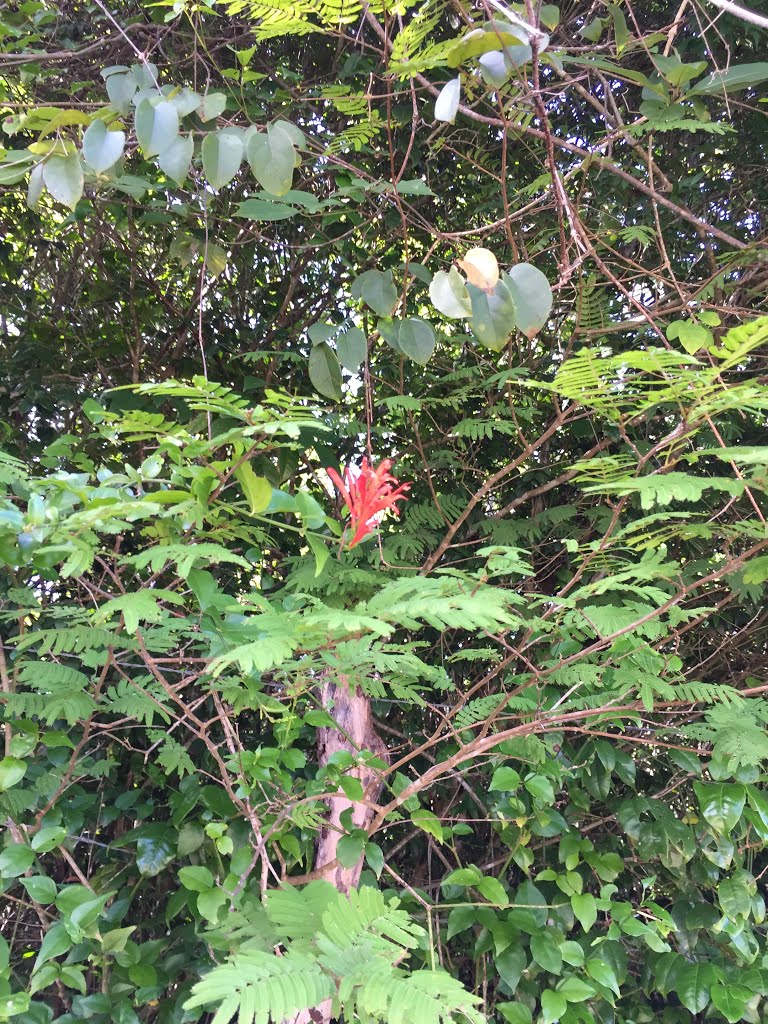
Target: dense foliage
(383, 511)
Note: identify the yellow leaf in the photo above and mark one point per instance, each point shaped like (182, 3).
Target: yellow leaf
(481, 268)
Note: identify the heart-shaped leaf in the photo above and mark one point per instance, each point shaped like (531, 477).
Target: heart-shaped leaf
(101, 147)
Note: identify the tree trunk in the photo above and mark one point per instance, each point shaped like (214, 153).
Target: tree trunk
(351, 710)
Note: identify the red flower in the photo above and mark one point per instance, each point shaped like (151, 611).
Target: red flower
(368, 492)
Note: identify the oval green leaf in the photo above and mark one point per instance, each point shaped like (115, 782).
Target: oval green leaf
(352, 348)
(325, 372)
(157, 125)
(176, 158)
(532, 297)
(63, 177)
(417, 339)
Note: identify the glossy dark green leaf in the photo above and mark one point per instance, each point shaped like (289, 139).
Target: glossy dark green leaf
(154, 854)
(693, 984)
(731, 1000)
(721, 803)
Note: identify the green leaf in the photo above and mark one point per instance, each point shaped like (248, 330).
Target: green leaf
(584, 907)
(693, 983)
(493, 891)
(447, 102)
(272, 157)
(449, 295)
(63, 177)
(515, 1013)
(176, 158)
(553, 1006)
(12, 770)
(325, 372)
(121, 88)
(463, 876)
(198, 879)
(210, 903)
(479, 41)
(191, 836)
(604, 974)
(263, 210)
(320, 550)
(48, 839)
(540, 788)
(42, 978)
(510, 964)
(549, 16)
(377, 290)
(374, 858)
(102, 148)
(417, 339)
(15, 860)
(620, 29)
(154, 854)
(505, 780)
(460, 919)
(40, 888)
(350, 848)
(732, 79)
(352, 348)
(89, 911)
(493, 315)
(157, 126)
(731, 1000)
(257, 489)
(73, 977)
(185, 100)
(213, 104)
(55, 942)
(735, 897)
(572, 953)
(115, 941)
(532, 297)
(721, 804)
(222, 154)
(427, 822)
(575, 990)
(546, 952)
(352, 787)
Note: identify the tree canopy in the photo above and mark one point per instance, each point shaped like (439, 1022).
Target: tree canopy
(383, 545)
